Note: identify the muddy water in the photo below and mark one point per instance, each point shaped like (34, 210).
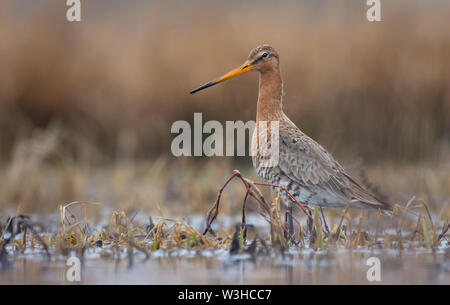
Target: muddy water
(218, 267)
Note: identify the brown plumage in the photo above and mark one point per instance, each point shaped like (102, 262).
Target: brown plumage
(304, 167)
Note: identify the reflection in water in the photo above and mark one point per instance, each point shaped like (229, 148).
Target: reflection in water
(289, 272)
(302, 267)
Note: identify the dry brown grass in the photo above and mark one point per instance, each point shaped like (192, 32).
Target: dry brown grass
(41, 176)
(118, 80)
(123, 235)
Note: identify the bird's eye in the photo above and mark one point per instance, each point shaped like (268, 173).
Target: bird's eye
(264, 55)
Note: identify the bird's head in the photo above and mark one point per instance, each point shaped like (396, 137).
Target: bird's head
(262, 59)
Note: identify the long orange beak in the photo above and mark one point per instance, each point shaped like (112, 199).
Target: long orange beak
(247, 66)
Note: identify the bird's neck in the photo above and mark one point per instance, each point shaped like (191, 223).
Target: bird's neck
(269, 106)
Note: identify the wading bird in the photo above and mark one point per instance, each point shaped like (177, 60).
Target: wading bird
(304, 168)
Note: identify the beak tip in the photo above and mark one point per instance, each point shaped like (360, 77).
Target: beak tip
(242, 69)
(202, 87)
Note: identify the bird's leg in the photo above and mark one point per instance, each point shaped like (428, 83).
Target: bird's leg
(291, 236)
(244, 225)
(290, 221)
(324, 220)
(310, 223)
(291, 216)
(286, 215)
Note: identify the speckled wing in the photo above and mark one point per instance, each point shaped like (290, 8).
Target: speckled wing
(306, 162)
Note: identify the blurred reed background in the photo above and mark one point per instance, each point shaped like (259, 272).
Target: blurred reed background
(75, 96)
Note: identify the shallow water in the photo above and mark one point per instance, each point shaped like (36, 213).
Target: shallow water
(218, 267)
(415, 265)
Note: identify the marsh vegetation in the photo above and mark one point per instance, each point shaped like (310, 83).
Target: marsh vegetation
(85, 163)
